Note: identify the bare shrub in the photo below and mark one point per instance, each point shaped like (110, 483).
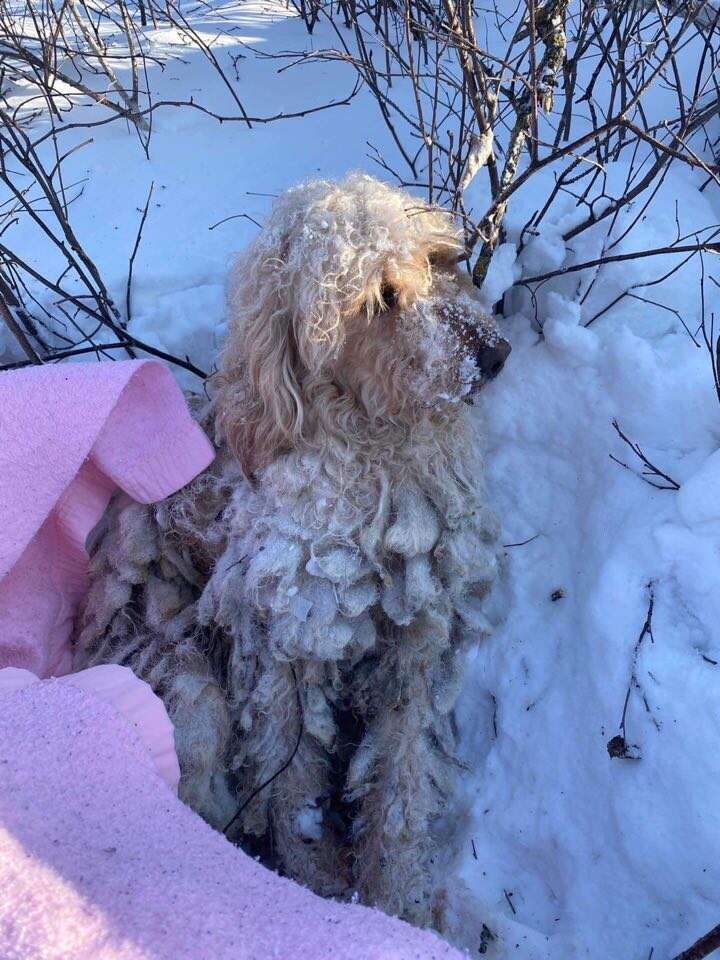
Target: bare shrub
(67, 68)
(562, 86)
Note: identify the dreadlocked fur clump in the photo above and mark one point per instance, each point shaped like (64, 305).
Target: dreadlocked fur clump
(305, 604)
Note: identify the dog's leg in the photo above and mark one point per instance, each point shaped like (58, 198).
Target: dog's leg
(197, 708)
(289, 746)
(140, 613)
(400, 779)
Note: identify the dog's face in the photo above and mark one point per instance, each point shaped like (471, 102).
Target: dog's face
(350, 301)
(421, 345)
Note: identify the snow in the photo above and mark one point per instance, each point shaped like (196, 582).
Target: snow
(572, 853)
(607, 857)
(309, 822)
(697, 499)
(500, 275)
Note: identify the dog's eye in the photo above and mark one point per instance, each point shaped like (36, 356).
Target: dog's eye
(389, 295)
(440, 258)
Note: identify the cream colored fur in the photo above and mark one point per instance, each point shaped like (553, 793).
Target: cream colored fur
(309, 598)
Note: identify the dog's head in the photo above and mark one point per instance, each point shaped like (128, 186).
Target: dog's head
(349, 303)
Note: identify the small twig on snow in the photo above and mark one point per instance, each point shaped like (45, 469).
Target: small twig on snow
(236, 216)
(702, 947)
(649, 468)
(135, 249)
(521, 543)
(618, 746)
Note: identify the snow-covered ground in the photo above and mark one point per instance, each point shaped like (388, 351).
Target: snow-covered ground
(572, 853)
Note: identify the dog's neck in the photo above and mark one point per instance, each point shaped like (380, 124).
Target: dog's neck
(438, 453)
(357, 457)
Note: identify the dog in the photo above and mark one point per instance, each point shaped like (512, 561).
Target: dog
(304, 606)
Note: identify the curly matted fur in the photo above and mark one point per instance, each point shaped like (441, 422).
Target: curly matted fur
(304, 604)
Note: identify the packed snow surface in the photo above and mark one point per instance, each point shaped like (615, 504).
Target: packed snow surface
(572, 852)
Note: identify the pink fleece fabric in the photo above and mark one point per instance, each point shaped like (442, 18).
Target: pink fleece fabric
(70, 435)
(100, 861)
(130, 696)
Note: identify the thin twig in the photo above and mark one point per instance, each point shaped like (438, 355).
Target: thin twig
(618, 745)
(710, 247)
(236, 216)
(138, 238)
(17, 331)
(649, 470)
(522, 543)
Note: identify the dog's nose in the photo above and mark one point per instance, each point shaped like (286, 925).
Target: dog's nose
(491, 358)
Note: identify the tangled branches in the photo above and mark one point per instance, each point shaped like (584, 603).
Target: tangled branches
(66, 69)
(562, 86)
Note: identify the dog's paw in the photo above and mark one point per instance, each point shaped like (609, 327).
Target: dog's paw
(470, 924)
(201, 718)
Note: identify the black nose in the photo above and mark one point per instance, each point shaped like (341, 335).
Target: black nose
(491, 358)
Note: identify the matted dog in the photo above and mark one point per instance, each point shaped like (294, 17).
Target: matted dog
(303, 607)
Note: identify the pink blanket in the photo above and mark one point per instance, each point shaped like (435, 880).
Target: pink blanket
(98, 858)
(99, 861)
(69, 436)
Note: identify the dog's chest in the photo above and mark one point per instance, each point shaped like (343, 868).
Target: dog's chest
(327, 576)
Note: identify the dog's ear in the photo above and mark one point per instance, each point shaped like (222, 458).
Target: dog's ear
(260, 405)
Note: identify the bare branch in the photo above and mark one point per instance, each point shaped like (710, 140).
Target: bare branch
(703, 947)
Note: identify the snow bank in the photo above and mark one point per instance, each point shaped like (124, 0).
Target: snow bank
(607, 857)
